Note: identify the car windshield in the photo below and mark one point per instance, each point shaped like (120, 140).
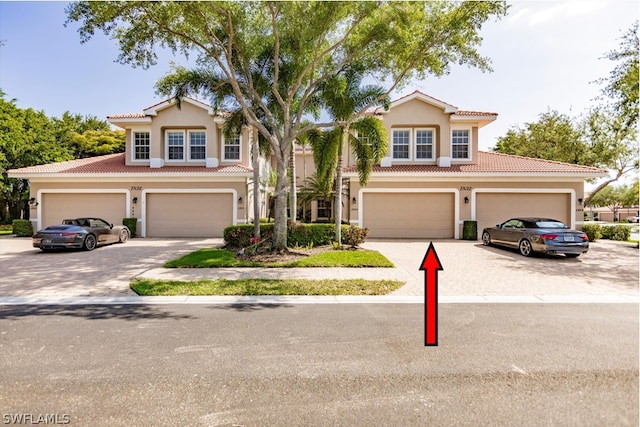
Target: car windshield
(550, 224)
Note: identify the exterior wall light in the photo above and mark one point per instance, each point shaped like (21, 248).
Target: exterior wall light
(135, 200)
(466, 200)
(354, 200)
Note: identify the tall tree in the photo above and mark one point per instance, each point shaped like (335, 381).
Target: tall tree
(344, 96)
(297, 47)
(622, 84)
(27, 138)
(554, 136)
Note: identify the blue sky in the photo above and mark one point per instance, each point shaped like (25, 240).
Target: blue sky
(545, 55)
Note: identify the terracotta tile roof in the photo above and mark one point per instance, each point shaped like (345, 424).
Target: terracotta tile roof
(127, 116)
(114, 164)
(493, 163)
(473, 113)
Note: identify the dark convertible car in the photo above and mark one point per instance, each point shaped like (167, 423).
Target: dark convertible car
(80, 233)
(543, 235)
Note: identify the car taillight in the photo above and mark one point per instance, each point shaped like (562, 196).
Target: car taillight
(549, 236)
(69, 234)
(584, 237)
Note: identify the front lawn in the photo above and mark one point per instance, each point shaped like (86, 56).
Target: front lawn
(217, 258)
(151, 287)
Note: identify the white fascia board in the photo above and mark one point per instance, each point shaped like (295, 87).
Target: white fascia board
(448, 108)
(403, 176)
(153, 111)
(130, 120)
(139, 176)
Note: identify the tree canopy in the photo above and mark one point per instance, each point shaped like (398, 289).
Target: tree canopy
(275, 57)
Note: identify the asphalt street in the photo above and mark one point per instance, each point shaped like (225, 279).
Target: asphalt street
(330, 364)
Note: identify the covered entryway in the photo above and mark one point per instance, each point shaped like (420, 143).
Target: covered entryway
(496, 207)
(55, 206)
(189, 214)
(409, 214)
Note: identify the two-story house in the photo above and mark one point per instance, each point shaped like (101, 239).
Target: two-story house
(180, 177)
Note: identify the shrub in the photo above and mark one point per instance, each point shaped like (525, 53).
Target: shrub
(302, 235)
(470, 230)
(132, 225)
(620, 233)
(22, 228)
(239, 236)
(354, 235)
(593, 231)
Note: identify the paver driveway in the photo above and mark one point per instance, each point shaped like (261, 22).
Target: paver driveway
(610, 268)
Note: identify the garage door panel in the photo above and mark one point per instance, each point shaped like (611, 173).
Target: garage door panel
(59, 206)
(188, 214)
(495, 208)
(409, 215)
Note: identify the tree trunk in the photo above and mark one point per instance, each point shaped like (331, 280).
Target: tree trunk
(255, 164)
(293, 202)
(338, 199)
(280, 217)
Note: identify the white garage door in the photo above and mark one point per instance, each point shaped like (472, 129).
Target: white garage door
(58, 206)
(495, 208)
(409, 215)
(188, 214)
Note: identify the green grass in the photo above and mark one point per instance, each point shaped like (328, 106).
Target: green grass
(151, 287)
(6, 229)
(213, 258)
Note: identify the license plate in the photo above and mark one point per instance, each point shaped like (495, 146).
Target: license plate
(569, 238)
(46, 241)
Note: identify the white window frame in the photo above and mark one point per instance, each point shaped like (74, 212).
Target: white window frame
(224, 151)
(469, 143)
(409, 154)
(189, 146)
(166, 145)
(415, 145)
(133, 144)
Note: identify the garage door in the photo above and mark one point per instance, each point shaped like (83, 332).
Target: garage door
(59, 206)
(494, 208)
(409, 215)
(188, 214)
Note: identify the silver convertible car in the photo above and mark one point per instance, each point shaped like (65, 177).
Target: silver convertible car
(543, 235)
(80, 233)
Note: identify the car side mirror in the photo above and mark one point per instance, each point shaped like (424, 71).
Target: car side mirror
(110, 225)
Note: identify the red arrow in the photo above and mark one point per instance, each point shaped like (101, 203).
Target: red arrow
(431, 265)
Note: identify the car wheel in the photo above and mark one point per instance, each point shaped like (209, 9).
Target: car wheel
(525, 247)
(90, 242)
(572, 255)
(124, 236)
(486, 239)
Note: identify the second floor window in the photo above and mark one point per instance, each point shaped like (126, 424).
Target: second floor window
(175, 145)
(232, 148)
(197, 145)
(141, 145)
(424, 144)
(400, 144)
(460, 144)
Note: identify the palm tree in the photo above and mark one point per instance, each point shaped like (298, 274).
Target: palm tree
(345, 99)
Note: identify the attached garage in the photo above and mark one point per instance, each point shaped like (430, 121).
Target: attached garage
(56, 206)
(495, 207)
(189, 214)
(409, 214)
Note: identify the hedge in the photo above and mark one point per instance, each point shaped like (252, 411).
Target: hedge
(132, 225)
(612, 232)
(22, 228)
(298, 235)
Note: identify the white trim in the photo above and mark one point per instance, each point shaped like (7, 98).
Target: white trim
(143, 196)
(153, 110)
(469, 145)
(415, 144)
(138, 120)
(135, 130)
(448, 108)
(456, 202)
(409, 153)
(224, 154)
(184, 145)
(570, 191)
(40, 192)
